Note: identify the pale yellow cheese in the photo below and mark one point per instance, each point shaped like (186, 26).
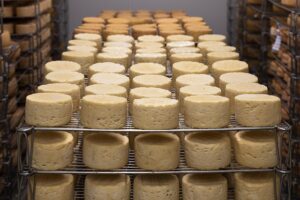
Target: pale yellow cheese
(158, 81)
(177, 57)
(203, 46)
(106, 89)
(146, 68)
(97, 20)
(119, 58)
(82, 43)
(144, 45)
(105, 67)
(105, 150)
(90, 37)
(120, 38)
(157, 151)
(151, 38)
(120, 50)
(159, 58)
(180, 44)
(84, 59)
(193, 79)
(188, 67)
(110, 78)
(151, 50)
(217, 56)
(212, 37)
(174, 38)
(103, 111)
(118, 44)
(220, 49)
(61, 65)
(179, 50)
(81, 48)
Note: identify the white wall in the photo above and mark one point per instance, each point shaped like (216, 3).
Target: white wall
(214, 11)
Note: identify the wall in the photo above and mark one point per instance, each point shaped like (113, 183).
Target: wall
(214, 11)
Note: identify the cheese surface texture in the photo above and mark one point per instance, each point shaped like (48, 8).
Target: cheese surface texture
(188, 67)
(119, 58)
(146, 68)
(110, 78)
(193, 79)
(159, 58)
(106, 89)
(62, 66)
(196, 57)
(84, 59)
(212, 37)
(105, 67)
(158, 81)
(216, 56)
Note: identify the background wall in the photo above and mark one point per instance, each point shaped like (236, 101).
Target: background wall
(214, 11)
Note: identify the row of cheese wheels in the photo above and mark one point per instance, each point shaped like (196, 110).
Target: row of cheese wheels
(258, 186)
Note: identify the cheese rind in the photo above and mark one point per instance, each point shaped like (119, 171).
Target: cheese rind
(174, 38)
(157, 151)
(110, 78)
(214, 149)
(82, 48)
(217, 56)
(119, 58)
(106, 89)
(159, 58)
(155, 113)
(105, 67)
(157, 81)
(146, 68)
(179, 50)
(151, 38)
(188, 67)
(193, 79)
(82, 43)
(212, 37)
(120, 38)
(105, 150)
(257, 110)
(103, 111)
(52, 150)
(61, 65)
(196, 57)
(48, 109)
(84, 59)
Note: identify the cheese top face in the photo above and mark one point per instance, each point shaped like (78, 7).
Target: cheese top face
(104, 99)
(150, 55)
(152, 79)
(184, 50)
(211, 138)
(230, 65)
(53, 98)
(48, 180)
(238, 77)
(257, 98)
(212, 37)
(88, 36)
(191, 67)
(120, 38)
(52, 138)
(148, 68)
(62, 65)
(173, 38)
(117, 50)
(64, 76)
(118, 21)
(223, 54)
(179, 44)
(206, 44)
(192, 19)
(58, 87)
(166, 20)
(83, 49)
(187, 55)
(112, 55)
(157, 180)
(78, 54)
(196, 79)
(150, 92)
(83, 43)
(151, 38)
(206, 99)
(247, 88)
(107, 67)
(151, 50)
(118, 44)
(103, 89)
(221, 48)
(142, 45)
(93, 20)
(200, 89)
(109, 78)
(107, 139)
(155, 102)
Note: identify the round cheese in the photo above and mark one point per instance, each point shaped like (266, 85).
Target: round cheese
(146, 68)
(83, 49)
(166, 20)
(120, 38)
(106, 67)
(193, 79)
(48, 109)
(96, 20)
(220, 49)
(192, 19)
(118, 44)
(65, 88)
(151, 50)
(151, 38)
(179, 50)
(52, 186)
(82, 43)
(106, 89)
(84, 59)
(114, 30)
(61, 65)
(118, 21)
(180, 44)
(110, 78)
(174, 38)
(234, 89)
(257, 110)
(206, 186)
(157, 151)
(203, 46)
(158, 81)
(144, 45)
(155, 113)
(105, 150)
(119, 58)
(120, 50)
(206, 111)
(103, 111)
(159, 58)
(236, 77)
(254, 186)
(194, 90)
(188, 67)
(216, 56)
(156, 186)
(196, 57)
(52, 150)
(255, 149)
(213, 148)
(212, 37)
(90, 37)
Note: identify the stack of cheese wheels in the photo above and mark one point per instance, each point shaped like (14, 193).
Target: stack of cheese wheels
(110, 78)
(120, 38)
(60, 65)
(216, 56)
(106, 89)
(254, 186)
(146, 68)
(64, 88)
(212, 37)
(66, 77)
(213, 148)
(151, 38)
(206, 186)
(149, 187)
(255, 149)
(193, 79)
(257, 110)
(120, 58)
(175, 38)
(52, 150)
(119, 50)
(158, 81)
(196, 57)
(194, 90)
(159, 58)
(227, 66)
(155, 113)
(82, 43)
(103, 111)
(105, 67)
(236, 77)
(52, 186)
(90, 37)
(234, 89)
(105, 150)
(84, 59)
(107, 187)
(157, 151)
(48, 109)
(147, 92)
(83, 49)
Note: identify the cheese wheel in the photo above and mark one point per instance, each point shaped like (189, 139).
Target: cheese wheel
(105, 67)
(159, 58)
(146, 68)
(195, 57)
(206, 111)
(105, 150)
(179, 50)
(106, 89)
(120, 38)
(118, 44)
(82, 43)
(90, 37)
(255, 149)
(65, 88)
(188, 67)
(151, 50)
(110, 78)
(257, 110)
(157, 151)
(214, 149)
(151, 38)
(155, 113)
(52, 186)
(96, 20)
(158, 81)
(61, 65)
(66, 77)
(103, 111)
(113, 187)
(119, 58)
(192, 19)
(84, 59)
(194, 90)
(81, 48)
(236, 77)
(48, 109)
(212, 37)
(156, 186)
(216, 56)
(174, 38)
(206, 186)
(193, 79)
(220, 49)
(234, 89)
(180, 44)
(203, 46)
(52, 150)
(144, 45)
(226, 66)
(254, 186)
